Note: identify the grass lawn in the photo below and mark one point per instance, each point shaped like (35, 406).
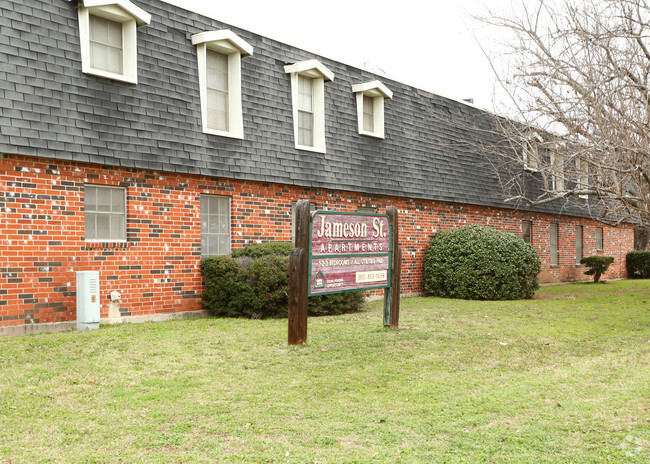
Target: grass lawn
(564, 378)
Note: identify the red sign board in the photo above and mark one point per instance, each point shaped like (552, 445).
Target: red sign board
(349, 251)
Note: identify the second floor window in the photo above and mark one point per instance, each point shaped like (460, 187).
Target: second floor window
(305, 111)
(105, 44)
(217, 90)
(219, 55)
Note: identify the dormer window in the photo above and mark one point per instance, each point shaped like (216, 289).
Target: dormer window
(308, 101)
(531, 152)
(370, 107)
(107, 31)
(219, 57)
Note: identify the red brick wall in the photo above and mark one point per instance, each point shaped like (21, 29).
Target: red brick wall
(157, 270)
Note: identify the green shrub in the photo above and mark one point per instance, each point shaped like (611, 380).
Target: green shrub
(479, 263)
(638, 264)
(257, 250)
(597, 265)
(256, 285)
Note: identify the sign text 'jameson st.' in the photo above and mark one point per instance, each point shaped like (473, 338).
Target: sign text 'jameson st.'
(349, 251)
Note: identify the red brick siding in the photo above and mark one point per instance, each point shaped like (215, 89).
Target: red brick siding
(157, 270)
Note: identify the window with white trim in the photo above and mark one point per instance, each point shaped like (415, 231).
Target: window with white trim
(370, 107)
(215, 225)
(308, 103)
(557, 171)
(582, 172)
(219, 56)
(107, 34)
(104, 213)
(530, 152)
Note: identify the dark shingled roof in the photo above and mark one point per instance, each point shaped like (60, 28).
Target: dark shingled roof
(49, 108)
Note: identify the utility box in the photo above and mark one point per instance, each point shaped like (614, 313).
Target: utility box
(87, 300)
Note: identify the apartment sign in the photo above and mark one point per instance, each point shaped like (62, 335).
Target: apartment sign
(349, 251)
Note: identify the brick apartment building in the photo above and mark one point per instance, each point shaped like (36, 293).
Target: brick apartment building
(137, 137)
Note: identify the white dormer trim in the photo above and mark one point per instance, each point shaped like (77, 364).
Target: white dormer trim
(141, 17)
(310, 68)
(373, 88)
(315, 70)
(226, 40)
(228, 43)
(130, 17)
(378, 92)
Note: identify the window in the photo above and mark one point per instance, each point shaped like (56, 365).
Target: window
(305, 111)
(370, 107)
(107, 33)
(104, 213)
(599, 238)
(554, 241)
(578, 244)
(219, 56)
(531, 152)
(582, 171)
(557, 171)
(527, 231)
(215, 225)
(308, 103)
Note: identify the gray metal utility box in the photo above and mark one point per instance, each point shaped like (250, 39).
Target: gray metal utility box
(87, 300)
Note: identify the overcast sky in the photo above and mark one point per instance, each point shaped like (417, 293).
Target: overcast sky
(431, 44)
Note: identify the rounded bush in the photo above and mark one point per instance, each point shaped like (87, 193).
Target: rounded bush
(638, 264)
(480, 263)
(255, 284)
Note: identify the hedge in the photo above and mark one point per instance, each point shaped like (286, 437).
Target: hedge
(480, 263)
(254, 283)
(638, 264)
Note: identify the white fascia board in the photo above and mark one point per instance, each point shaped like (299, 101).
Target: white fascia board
(240, 44)
(310, 67)
(142, 18)
(373, 85)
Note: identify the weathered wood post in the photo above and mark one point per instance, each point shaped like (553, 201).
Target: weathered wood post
(298, 276)
(392, 293)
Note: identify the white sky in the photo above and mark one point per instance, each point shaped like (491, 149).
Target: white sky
(431, 44)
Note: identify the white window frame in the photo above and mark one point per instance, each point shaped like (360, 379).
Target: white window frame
(109, 213)
(378, 92)
(130, 17)
(207, 197)
(582, 173)
(316, 71)
(235, 48)
(530, 152)
(557, 171)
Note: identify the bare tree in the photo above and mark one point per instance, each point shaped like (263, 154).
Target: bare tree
(579, 84)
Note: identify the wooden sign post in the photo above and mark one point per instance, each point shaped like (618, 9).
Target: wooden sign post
(338, 252)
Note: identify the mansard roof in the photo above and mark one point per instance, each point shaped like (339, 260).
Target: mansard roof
(51, 109)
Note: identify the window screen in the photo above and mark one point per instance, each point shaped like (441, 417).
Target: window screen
(104, 213)
(106, 51)
(217, 90)
(215, 225)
